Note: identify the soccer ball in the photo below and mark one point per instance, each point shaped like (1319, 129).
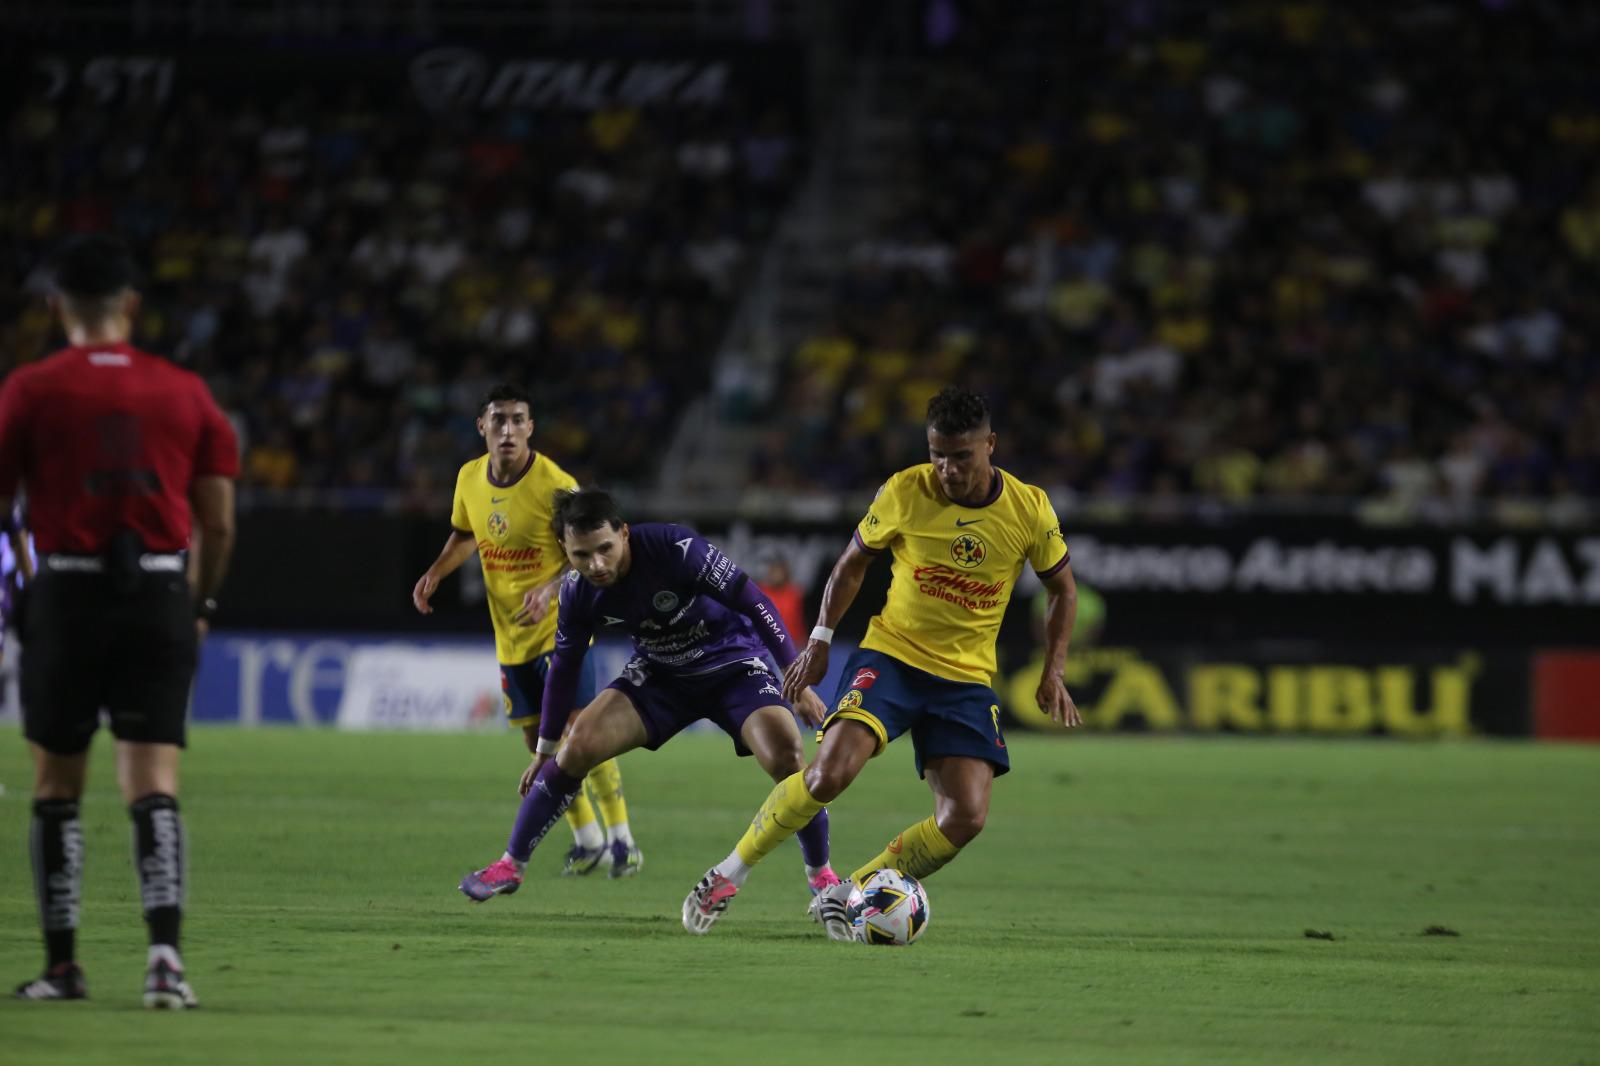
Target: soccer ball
(888, 908)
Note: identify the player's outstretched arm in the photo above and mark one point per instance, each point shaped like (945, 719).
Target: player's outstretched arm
(536, 602)
(732, 588)
(811, 665)
(1061, 610)
(810, 707)
(574, 631)
(456, 551)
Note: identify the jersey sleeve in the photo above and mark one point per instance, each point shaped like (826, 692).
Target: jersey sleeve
(459, 519)
(217, 454)
(574, 630)
(705, 564)
(880, 526)
(720, 577)
(1048, 551)
(13, 433)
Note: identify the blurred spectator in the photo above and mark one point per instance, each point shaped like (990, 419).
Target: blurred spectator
(778, 583)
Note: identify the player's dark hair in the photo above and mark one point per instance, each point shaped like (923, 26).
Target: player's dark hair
(505, 392)
(90, 273)
(955, 411)
(583, 510)
(93, 266)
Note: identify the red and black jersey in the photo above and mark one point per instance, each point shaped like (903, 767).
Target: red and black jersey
(105, 438)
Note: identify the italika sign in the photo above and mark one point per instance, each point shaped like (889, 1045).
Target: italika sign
(454, 78)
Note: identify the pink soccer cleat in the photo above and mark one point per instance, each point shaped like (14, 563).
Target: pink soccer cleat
(499, 878)
(824, 880)
(707, 902)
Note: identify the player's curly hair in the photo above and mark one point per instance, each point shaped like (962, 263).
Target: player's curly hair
(583, 510)
(506, 392)
(956, 410)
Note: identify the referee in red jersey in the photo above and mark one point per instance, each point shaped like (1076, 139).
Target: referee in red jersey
(127, 465)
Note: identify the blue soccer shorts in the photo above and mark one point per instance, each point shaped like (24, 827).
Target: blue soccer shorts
(522, 688)
(944, 717)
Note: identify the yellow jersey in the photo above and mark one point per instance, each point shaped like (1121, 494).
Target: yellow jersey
(516, 546)
(954, 568)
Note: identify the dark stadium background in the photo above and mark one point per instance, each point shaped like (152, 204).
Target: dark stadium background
(1288, 306)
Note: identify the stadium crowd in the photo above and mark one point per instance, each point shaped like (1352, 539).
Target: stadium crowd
(1257, 252)
(350, 273)
(1267, 252)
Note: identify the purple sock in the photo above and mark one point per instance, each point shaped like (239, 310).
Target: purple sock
(546, 801)
(813, 837)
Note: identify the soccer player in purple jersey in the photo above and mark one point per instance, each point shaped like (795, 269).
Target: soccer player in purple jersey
(699, 627)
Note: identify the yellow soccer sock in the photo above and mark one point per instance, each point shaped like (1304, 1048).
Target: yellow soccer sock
(919, 851)
(788, 809)
(580, 816)
(606, 781)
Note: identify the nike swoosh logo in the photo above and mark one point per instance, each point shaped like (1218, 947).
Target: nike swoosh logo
(968, 522)
(502, 499)
(610, 621)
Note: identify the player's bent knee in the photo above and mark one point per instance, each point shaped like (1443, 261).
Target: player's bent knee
(826, 779)
(578, 758)
(961, 827)
(579, 753)
(786, 763)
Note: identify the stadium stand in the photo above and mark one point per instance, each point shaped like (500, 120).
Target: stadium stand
(351, 273)
(1274, 255)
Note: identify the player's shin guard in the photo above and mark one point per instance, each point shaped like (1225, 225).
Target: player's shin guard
(788, 808)
(813, 838)
(160, 857)
(606, 780)
(56, 840)
(919, 851)
(546, 801)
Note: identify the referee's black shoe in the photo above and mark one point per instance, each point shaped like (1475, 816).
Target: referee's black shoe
(165, 988)
(62, 981)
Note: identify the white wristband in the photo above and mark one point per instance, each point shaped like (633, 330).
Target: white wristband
(546, 747)
(822, 633)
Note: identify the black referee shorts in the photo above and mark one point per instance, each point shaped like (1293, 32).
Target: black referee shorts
(86, 646)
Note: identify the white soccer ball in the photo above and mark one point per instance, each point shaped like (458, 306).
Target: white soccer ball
(889, 908)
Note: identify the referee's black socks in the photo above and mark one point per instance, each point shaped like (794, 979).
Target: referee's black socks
(56, 841)
(161, 856)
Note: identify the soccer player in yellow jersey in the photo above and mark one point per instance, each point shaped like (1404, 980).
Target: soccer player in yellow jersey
(503, 505)
(959, 531)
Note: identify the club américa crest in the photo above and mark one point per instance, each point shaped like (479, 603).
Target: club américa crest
(968, 551)
(498, 526)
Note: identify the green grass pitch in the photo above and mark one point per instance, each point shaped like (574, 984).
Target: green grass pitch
(1132, 900)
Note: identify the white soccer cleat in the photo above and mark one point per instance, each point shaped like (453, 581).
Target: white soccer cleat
(831, 908)
(165, 988)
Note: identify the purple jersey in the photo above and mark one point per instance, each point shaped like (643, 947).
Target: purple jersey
(688, 608)
(10, 568)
